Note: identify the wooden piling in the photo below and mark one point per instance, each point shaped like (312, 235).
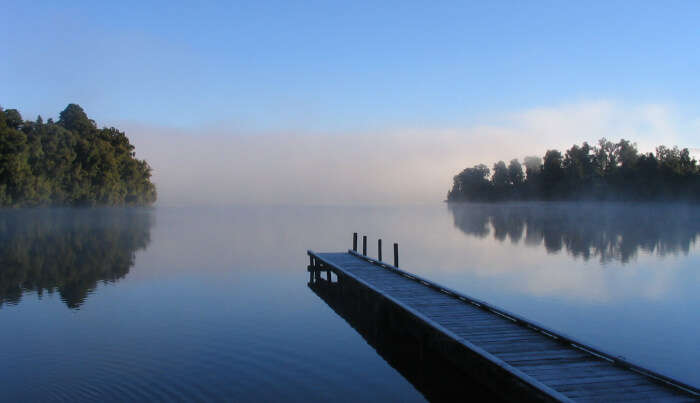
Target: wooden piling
(379, 249)
(396, 255)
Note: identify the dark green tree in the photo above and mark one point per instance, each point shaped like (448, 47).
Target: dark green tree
(515, 173)
(607, 171)
(552, 174)
(533, 167)
(472, 184)
(70, 162)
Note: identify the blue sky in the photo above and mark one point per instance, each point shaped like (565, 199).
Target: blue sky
(359, 69)
(343, 65)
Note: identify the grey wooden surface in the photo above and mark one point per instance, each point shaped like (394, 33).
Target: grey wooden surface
(573, 373)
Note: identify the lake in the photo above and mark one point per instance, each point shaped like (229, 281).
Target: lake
(213, 303)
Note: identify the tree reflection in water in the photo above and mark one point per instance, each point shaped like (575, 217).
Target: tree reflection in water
(605, 231)
(68, 250)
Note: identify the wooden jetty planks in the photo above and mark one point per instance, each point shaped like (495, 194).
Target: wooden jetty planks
(550, 363)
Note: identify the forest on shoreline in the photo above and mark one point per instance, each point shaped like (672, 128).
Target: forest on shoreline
(69, 162)
(606, 171)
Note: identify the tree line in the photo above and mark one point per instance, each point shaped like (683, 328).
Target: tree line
(69, 162)
(606, 171)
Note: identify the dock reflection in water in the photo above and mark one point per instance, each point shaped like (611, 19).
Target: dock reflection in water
(397, 338)
(68, 251)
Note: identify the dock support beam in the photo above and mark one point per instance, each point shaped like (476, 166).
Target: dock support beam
(396, 255)
(379, 249)
(354, 241)
(364, 245)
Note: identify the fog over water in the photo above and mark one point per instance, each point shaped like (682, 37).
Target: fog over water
(277, 127)
(213, 303)
(224, 164)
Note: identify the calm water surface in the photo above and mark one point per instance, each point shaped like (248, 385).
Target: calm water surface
(213, 303)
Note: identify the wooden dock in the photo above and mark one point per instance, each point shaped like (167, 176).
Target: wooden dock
(431, 374)
(514, 358)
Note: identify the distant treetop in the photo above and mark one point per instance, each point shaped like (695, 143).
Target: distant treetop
(607, 171)
(69, 162)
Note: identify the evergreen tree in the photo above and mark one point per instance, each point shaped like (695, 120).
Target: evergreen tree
(70, 162)
(608, 171)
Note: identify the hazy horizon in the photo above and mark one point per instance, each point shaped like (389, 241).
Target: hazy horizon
(326, 104)
(395, 165)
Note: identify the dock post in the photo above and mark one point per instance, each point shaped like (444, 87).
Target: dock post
(311, 269)
(396, 255)
(364, 245)
(354, 241)
(379, 249)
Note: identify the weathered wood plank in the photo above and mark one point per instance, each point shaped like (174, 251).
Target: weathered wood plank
(564, 367)
(507, 347)
(468, 330)
(551, 366)
(616, 392)
(474, 321)
(522, 337)
(550, 361)
(591, 381)
(599, 368)
(540, 355)
(622, 395)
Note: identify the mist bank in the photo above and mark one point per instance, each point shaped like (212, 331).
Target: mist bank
(224, 163)
(606, 171)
